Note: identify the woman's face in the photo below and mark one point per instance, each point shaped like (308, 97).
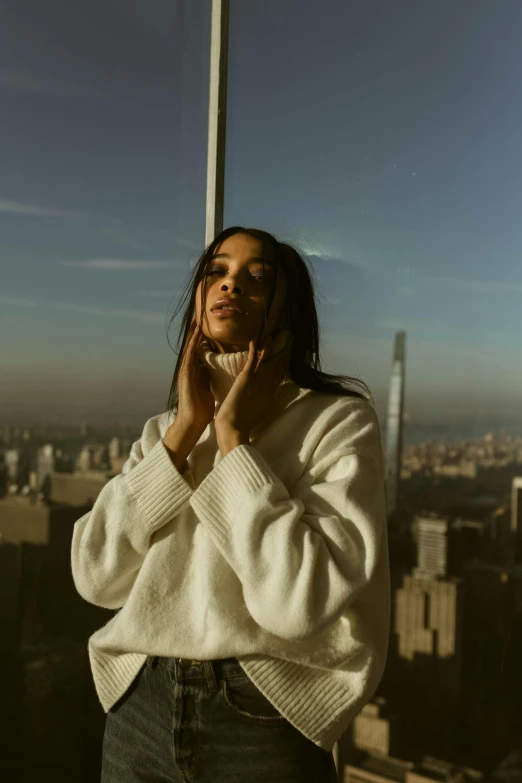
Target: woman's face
(240, 276)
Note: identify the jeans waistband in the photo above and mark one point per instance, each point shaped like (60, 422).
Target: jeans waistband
(189, 669)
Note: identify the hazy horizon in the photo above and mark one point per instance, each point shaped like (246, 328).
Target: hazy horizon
(380, 139)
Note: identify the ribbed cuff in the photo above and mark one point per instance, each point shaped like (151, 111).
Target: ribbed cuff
(159, 488)
(237, 477)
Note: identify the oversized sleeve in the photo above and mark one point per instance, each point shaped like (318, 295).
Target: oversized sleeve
(111, 541)
(302, 557)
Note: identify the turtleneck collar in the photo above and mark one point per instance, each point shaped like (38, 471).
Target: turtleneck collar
(225, 367)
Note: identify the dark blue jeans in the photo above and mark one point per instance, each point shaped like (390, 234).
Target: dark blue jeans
(205, 722)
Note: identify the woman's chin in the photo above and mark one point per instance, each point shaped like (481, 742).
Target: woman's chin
(229, 343)
(230, 339)
(231, 347)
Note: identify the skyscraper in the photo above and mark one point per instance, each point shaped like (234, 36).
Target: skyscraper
(44, 469)
(516, 518)
(428, 621)
(432, 546)
(395, 423)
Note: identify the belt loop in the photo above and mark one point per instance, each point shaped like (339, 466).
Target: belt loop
(152, 661)
(211, 676)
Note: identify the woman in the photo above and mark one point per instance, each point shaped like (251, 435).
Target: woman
(244, 544)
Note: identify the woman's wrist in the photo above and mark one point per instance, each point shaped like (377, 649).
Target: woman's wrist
(179, 440)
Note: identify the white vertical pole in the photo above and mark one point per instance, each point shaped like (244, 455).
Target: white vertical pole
(217, 111)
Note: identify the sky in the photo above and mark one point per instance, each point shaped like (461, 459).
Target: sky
(380, 138)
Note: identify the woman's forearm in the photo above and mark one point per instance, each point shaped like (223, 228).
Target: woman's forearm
(179, 442)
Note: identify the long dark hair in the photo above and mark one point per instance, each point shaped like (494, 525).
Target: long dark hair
(304, 364)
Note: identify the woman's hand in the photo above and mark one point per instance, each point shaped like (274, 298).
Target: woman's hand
(196, 403)
(250, 395)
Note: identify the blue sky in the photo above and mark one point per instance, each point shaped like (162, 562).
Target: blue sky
(381, 138)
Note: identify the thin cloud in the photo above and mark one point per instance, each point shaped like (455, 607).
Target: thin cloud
(447, 334)
(486, 286)
(497, 286)
(133, 315)
(125, 239)
(146, 317)
(162, 294)
(187, 243)
(18, 208)
(12, 300)
(46, 85)
(118, 264)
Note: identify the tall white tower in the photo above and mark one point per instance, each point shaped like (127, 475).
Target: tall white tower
(516, 518)
(395, 423)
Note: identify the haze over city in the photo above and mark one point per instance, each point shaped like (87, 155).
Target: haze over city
(387, 153)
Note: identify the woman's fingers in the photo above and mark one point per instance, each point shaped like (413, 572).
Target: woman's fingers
(190, 346)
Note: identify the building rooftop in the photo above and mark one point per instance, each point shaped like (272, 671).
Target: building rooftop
(387, 766)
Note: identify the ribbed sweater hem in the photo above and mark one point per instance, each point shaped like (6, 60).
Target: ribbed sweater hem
(317, 705)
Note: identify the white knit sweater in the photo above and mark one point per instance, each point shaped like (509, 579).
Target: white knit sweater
(276, 554)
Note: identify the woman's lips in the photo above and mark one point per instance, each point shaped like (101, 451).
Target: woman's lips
(225, 313)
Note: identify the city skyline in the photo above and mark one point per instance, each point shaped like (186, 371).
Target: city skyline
(391, 166)
(459, 508)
